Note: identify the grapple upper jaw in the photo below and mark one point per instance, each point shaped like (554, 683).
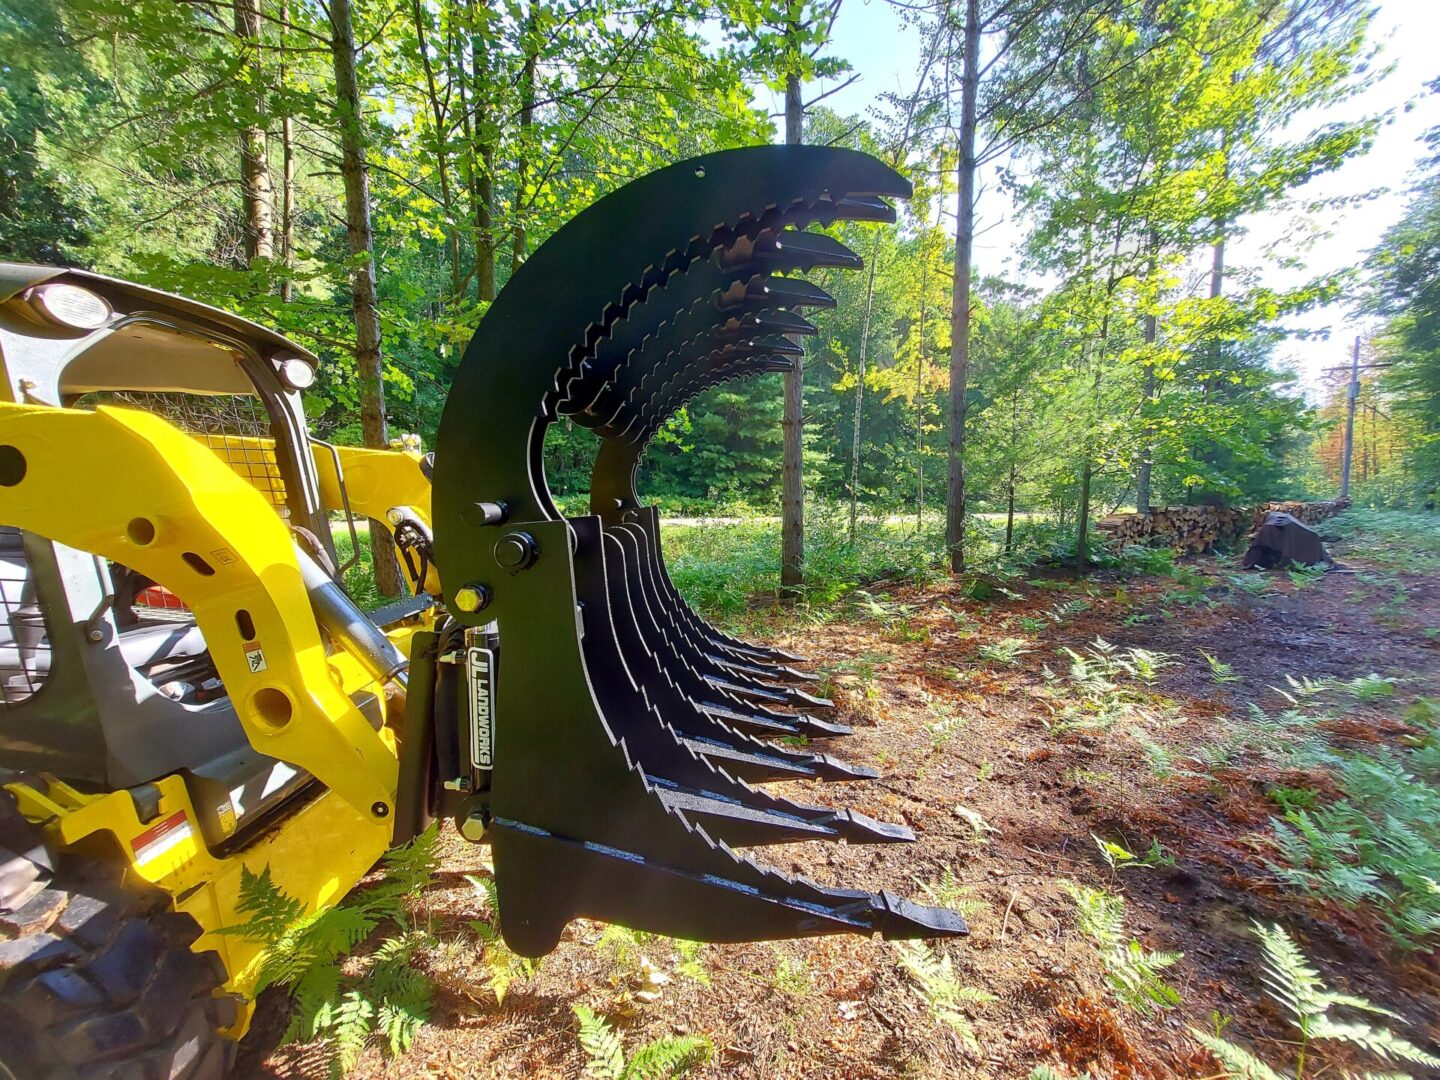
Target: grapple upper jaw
(626, 729)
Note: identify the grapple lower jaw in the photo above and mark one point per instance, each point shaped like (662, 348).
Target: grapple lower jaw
(627, 731)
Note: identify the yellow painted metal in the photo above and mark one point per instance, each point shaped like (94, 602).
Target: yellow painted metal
(375, 481)
(252, 458)
(317, 854)
(197, 528)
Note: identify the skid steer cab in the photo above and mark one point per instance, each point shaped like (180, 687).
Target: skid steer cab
(188, 692)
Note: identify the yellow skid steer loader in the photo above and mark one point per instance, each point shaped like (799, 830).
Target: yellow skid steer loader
(188, 692)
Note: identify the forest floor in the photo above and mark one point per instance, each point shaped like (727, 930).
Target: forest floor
(1014, 733)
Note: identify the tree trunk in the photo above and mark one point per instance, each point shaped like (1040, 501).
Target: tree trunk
(860, 390)
(256, 194)
(1147, 451)
(287, 175)
(1013, 470)
(792, 496)
(522, 165)
(960, 297)
(364, 300)
(439, 117)
(1010, 509)
(1082, 522)
(482, 172)
(920, 388)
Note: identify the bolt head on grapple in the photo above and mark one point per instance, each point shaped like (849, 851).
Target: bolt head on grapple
(628, 732)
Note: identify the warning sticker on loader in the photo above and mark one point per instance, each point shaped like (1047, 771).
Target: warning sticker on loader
(255, 657)
(161, 837)
(480, 671)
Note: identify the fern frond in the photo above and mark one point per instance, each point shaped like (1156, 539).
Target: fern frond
(411, 867)
(1378, 1041)
(1288, 977)
(269, 911)
(313, 998)
(1239, 1063)
(664, 1058)
(1045, 1072)
(1134, 974)
(940, 988)
(605, 1055)
(354, 1017)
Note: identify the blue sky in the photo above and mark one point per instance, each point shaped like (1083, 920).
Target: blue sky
(885, 55)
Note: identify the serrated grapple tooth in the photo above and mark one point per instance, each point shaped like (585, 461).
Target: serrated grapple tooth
(687, 780)
(794, 250)
(862, 208)
(769, 322)
(786, 292)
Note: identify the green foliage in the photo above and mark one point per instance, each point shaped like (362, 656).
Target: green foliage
(1132, 971)
(1118, 857)
(1378, 845)
(1220, 671)
(1307, 1002)
(1098, 691)
(306, 952)
(1007, 650)
(503, 967)
(940, 988)
(656, 1060)
(792, 976)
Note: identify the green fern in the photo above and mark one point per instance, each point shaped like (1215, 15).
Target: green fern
(304, 952)
(1297, 987)
(1132, 971)
(1046, 1072)
(503, 967)
(604, 1052)
(353, 1021)
(657, 1060)
(668, 1057)
(941, 989)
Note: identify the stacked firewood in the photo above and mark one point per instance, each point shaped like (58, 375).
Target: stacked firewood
(1199, 528)
(1310, 513)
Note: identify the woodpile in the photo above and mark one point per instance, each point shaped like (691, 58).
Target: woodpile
(1310, 513)
(1189, 529)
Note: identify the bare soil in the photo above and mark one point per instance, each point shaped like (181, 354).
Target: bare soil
(843, 1007)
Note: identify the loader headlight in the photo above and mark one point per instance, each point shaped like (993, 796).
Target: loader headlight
(296, 373)
(72, 306)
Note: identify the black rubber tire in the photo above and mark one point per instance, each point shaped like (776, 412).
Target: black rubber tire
(97, 978)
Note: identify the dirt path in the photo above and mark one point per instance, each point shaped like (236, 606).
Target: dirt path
(1008, 763)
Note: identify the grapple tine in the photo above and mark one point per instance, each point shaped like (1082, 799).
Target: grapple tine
(795, 250)
(786, 292)
(862, 208)
(676, 635)
(676, 654)
(773, 673)
(767, 763)
(774, 322)
(687, 781)
(613, 783)
(794, 723)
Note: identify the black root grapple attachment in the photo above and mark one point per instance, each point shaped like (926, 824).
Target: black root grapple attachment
(614, 734)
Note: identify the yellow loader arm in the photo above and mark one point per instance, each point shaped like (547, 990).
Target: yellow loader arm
(197, 528)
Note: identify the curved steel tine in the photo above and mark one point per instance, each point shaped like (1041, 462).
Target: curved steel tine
(685, 779)
(702, 663)
(704, 716)
(750, 252)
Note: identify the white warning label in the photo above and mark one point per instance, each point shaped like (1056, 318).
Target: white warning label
(161, 837)
(255, 657)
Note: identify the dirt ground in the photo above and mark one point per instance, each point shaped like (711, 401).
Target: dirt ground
(1005, 771)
